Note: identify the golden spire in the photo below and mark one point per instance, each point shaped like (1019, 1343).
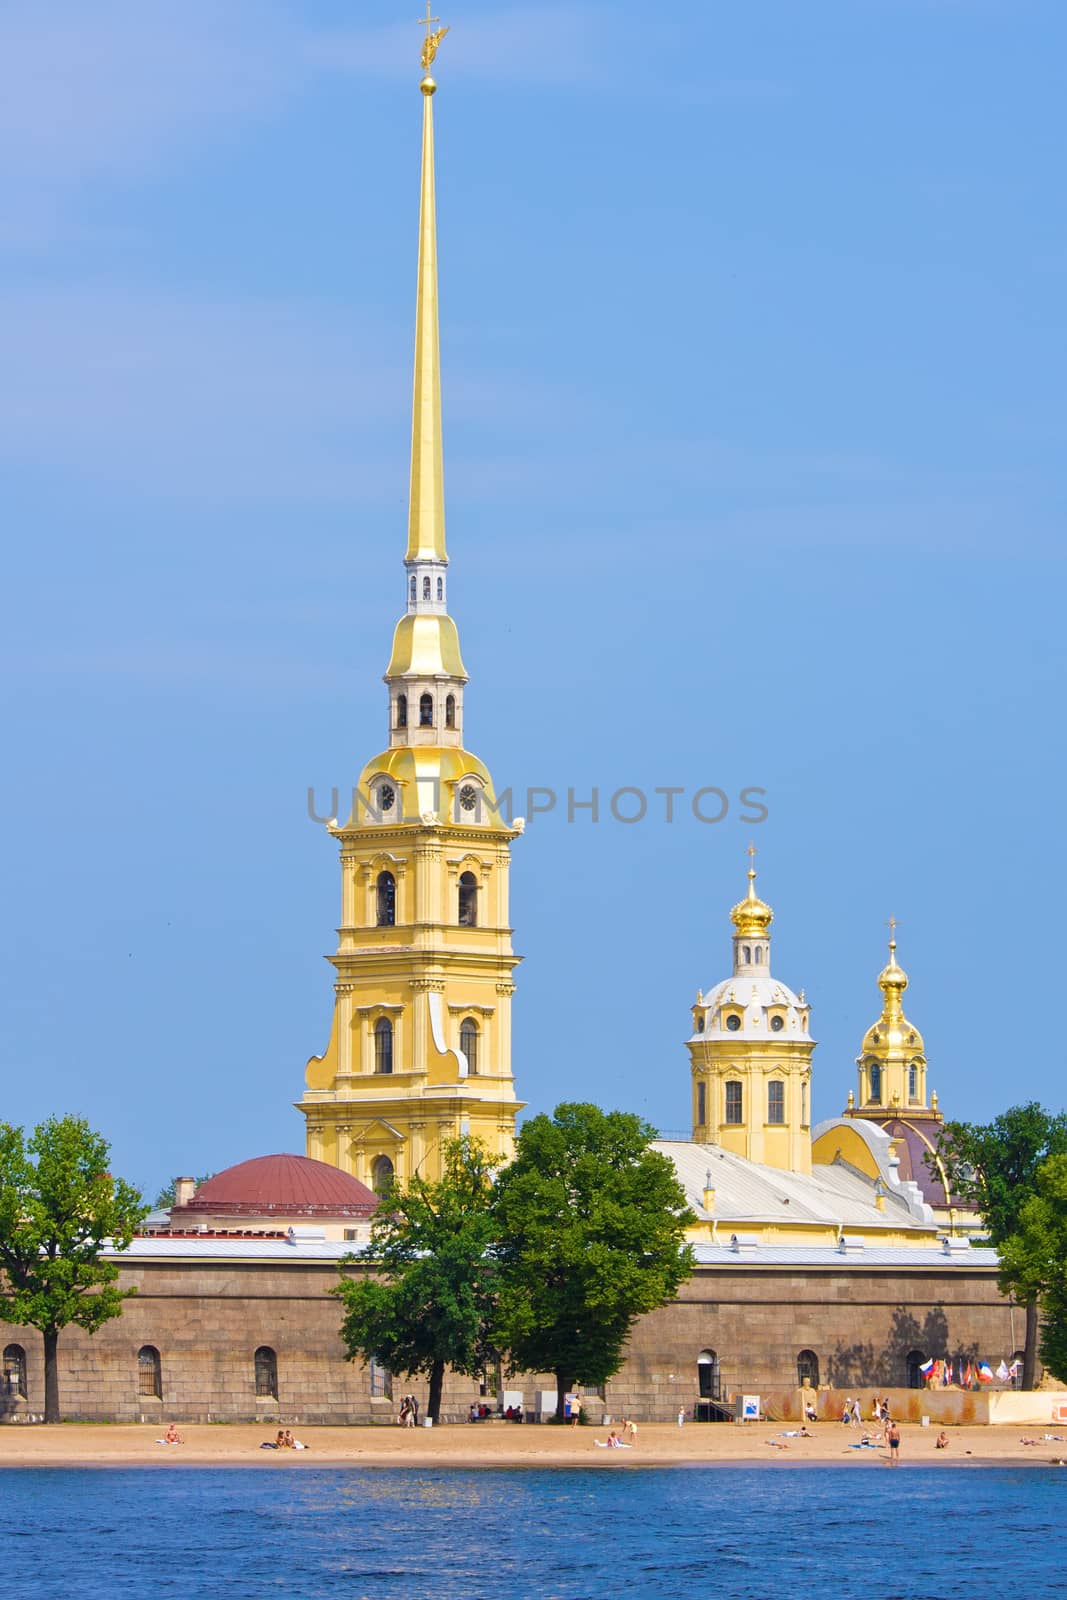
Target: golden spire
(751, 916)
(892, 980)
(426, 518)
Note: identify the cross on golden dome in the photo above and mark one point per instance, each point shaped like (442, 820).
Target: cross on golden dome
(432, 40)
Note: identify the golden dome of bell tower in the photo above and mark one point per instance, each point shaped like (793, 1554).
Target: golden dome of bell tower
(750, 1052)
(420, 1049)
(892, 1060)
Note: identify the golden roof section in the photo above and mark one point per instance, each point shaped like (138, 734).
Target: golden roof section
(751, 916)
(426, 646)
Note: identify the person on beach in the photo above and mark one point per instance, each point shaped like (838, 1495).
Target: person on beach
(415, 1408)
(681, 1415)
(576, 1410)
(810, 1413)
(629, 1428)
(892, 1439)
(942, 1441)
(172, 1436)
(846, 1413)
(856, 1417)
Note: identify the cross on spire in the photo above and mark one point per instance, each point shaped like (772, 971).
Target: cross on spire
(432, 40)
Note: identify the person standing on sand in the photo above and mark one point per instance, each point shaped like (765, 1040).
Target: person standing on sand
(681, 1415)
(576, 1410)
(892, 1439)
(856, 1417)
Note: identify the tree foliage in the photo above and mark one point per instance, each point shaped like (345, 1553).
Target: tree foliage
(994, 1167)
(591, 1235)
(1034, 1259)
(59, 1207)
(431, 1302)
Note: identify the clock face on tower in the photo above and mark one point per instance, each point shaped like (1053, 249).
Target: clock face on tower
(777, 1024)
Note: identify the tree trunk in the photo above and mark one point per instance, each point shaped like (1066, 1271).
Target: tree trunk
(437, 1379)
(563, 1383)
(1030, 1347)
(51, 1375)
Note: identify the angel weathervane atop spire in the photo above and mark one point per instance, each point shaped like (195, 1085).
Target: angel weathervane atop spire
(432, 40)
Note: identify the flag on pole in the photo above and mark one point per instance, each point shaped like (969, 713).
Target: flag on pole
(985, 1372)
(967, 1376)
(1015, 1368)
(927, 1367)
(1003, 1373)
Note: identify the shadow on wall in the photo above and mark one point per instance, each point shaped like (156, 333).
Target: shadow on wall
(857, 1364)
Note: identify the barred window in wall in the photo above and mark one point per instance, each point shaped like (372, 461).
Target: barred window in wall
(266, 1363)
(734, 1103)
(913, 1082)
(468, 900)
(808, 1369)
(149, 1373)
(468, 1043)
(15, 1372)
(383, 1045)
(775, 1101)
(386, 900)
(876, 1083)
(381, 1380)
(426, 711)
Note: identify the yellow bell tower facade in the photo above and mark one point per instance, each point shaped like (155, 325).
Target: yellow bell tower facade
(750, 1053)
(420, 1048)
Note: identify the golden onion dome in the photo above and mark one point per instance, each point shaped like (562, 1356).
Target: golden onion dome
(892, 977)
(751, 916)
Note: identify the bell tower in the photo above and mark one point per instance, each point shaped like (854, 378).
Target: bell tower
(750, 1052)
(420, 1047)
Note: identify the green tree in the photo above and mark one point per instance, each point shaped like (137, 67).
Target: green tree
(1035, 1259)
(591, 1235)
(59, 1207)
(431, 1301)
(993, 1167)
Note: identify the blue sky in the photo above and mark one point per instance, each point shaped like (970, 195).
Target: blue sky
(753, 331)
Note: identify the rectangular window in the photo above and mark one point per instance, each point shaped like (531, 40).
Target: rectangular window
(734, 1103)
(381, 1381)
(776, 1102)
(702, 1104)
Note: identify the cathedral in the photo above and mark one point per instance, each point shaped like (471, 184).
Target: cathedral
(827, 1256)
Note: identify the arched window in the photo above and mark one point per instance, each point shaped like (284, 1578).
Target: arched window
(440, 588)
(412, 592)
(266, 1366)
(381, 1175)
(383, 1045)
(149, 1373)
(913, 1376)
(876, 1083)
(709, 1386)
(808, 1369)
(702, 1104)
(748, 952)
(468, 1043)
(468, 900)
(386, 900)
(913, 1082)
(381, 1379)
(450, 711)
(759, 955)
(15, 1372)
(700, 1023)
(425, 588)
(734, 1103)
(775, 1101)
(401, 710)
(426, 711)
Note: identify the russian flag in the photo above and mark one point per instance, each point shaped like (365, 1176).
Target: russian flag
(985, 1372)
(927, 1367)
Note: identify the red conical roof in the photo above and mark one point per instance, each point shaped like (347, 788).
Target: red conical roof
(284, 1185)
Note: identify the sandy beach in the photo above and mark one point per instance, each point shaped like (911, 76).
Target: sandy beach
(490, 1444)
